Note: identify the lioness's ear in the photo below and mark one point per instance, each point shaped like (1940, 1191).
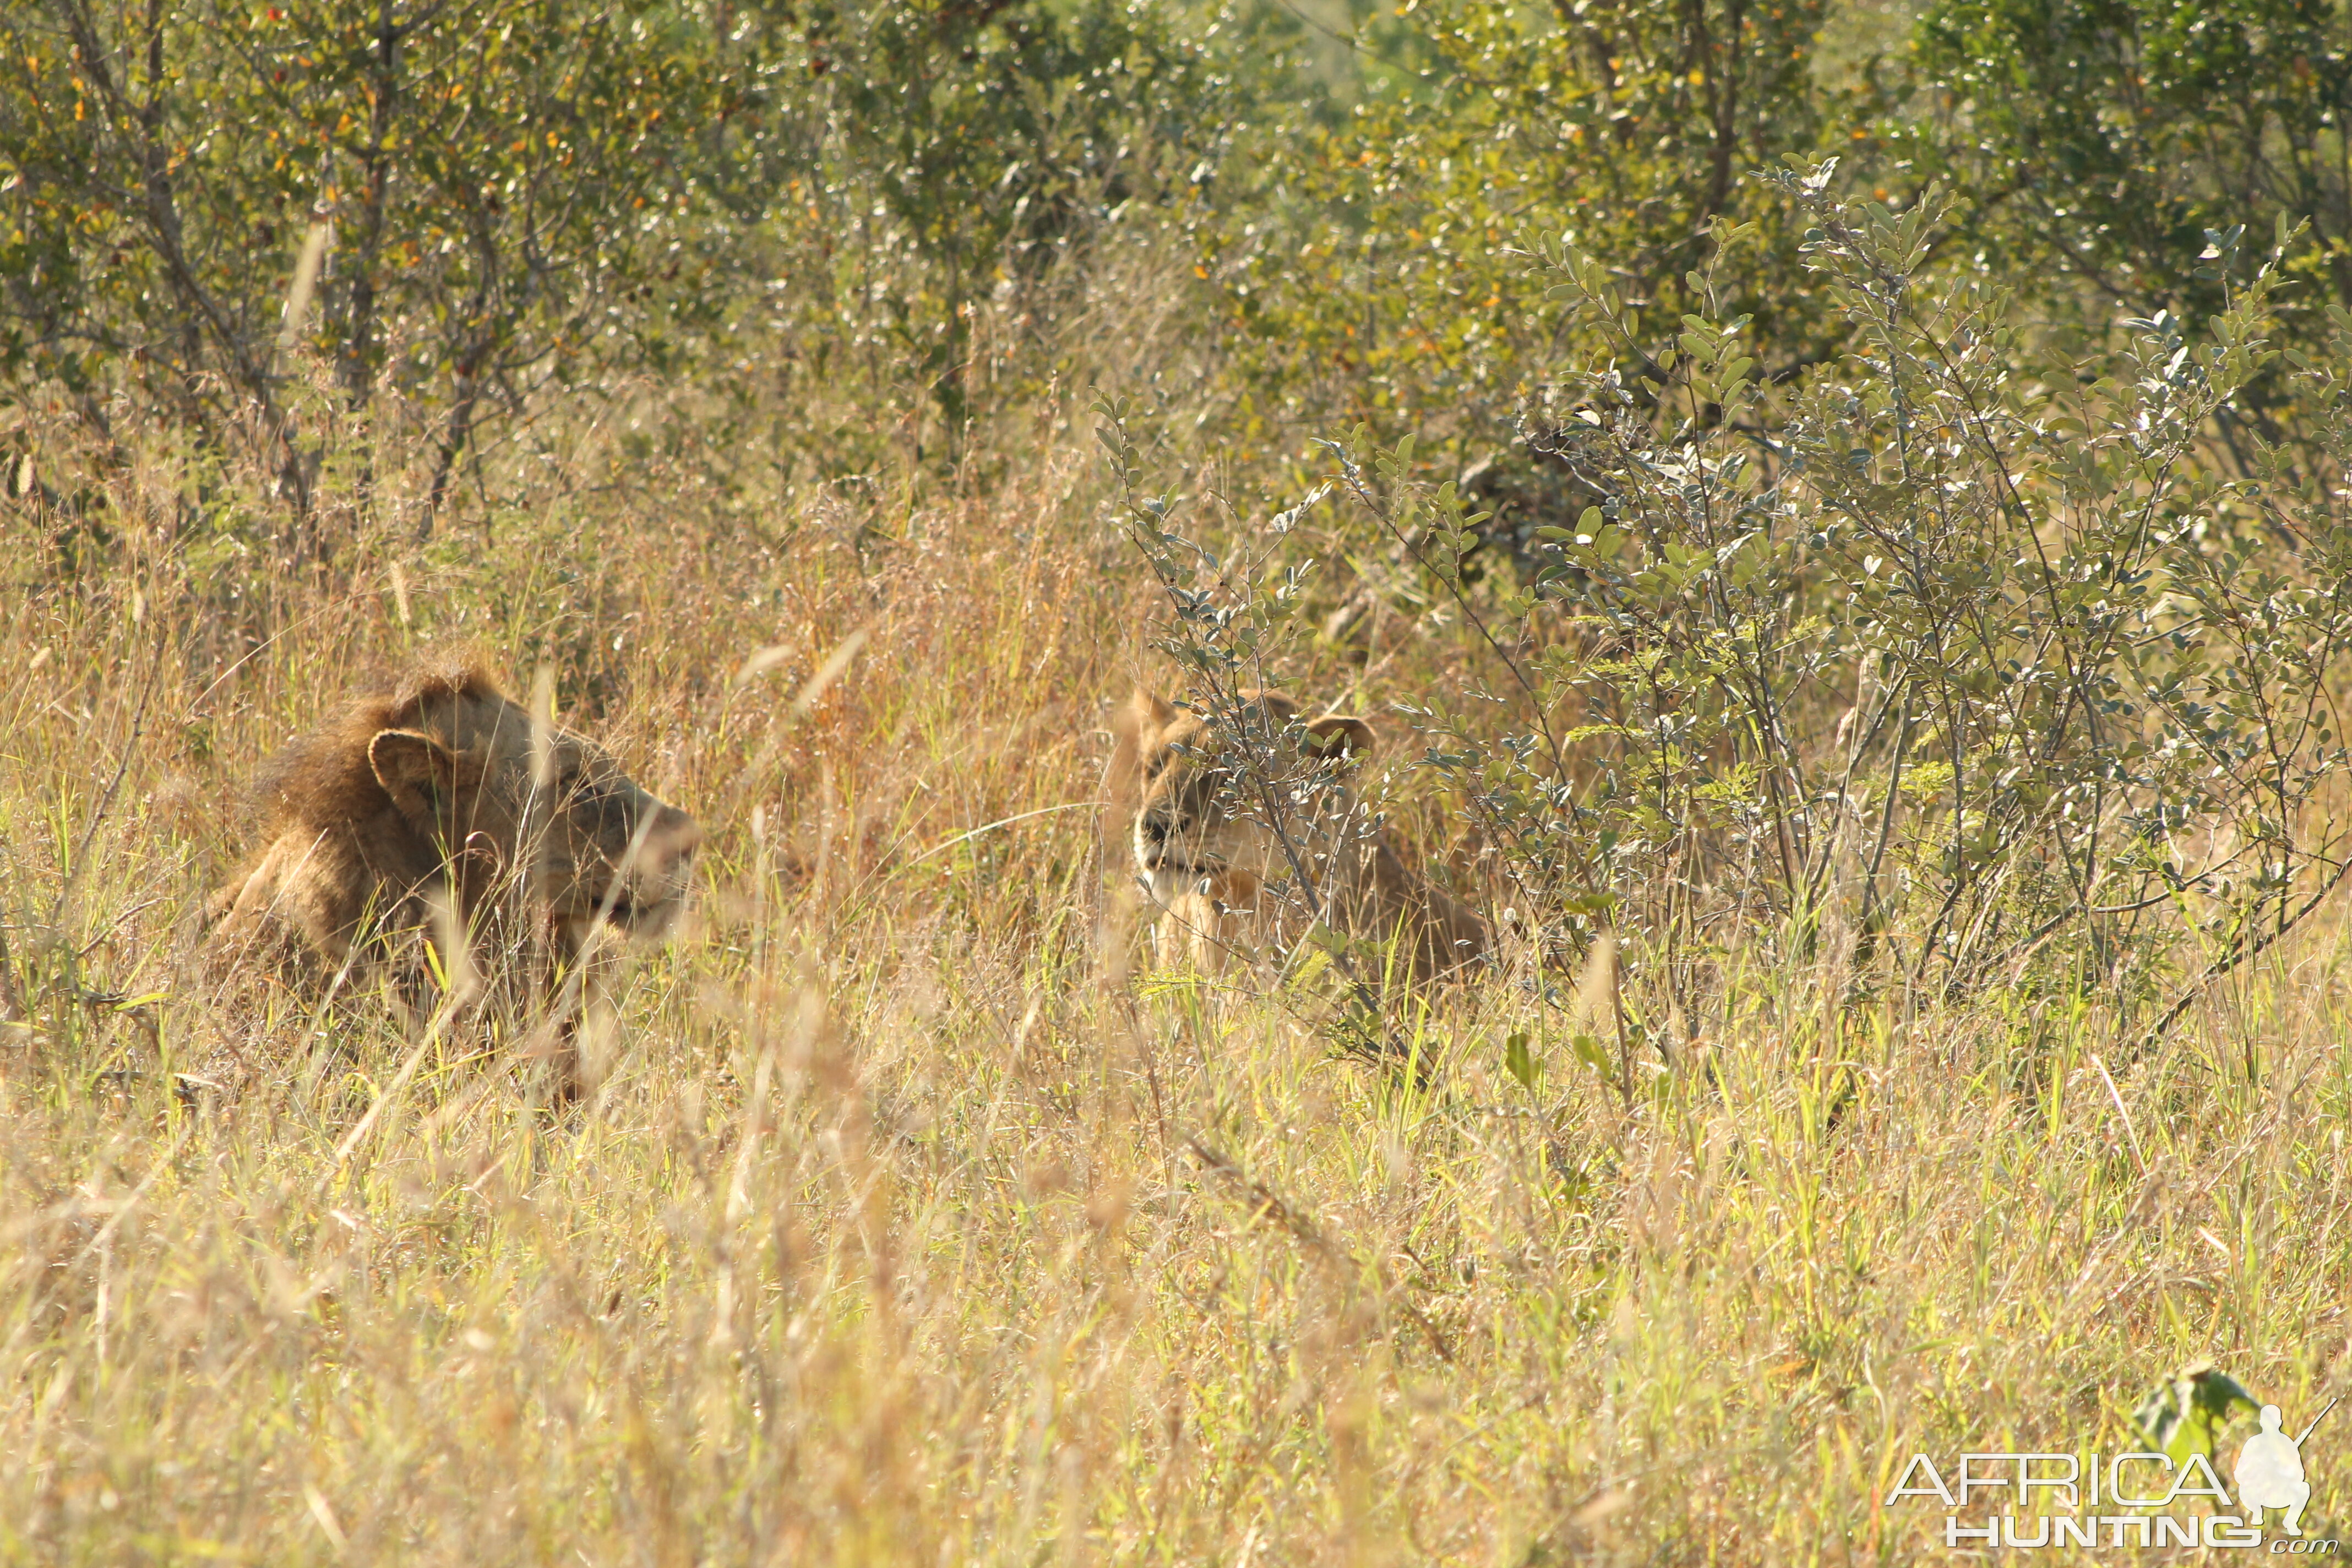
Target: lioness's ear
(1334, 738)
(416, 770)
(1279, 710)
(1134, 726)
(1148, 711)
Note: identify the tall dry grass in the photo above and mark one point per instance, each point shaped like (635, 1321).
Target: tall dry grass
(916, 1224)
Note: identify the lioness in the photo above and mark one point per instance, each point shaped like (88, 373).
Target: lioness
(428, 792)
(1247, 832)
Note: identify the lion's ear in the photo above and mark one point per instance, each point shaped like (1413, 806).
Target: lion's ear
(1134, 727)
(416, 770)
(1337, 739)
(1148, 712)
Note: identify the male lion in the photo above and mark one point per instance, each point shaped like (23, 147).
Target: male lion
(1248, 833)
(422, 809)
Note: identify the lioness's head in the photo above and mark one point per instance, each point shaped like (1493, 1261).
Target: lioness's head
(1252, 799)
(442, 776)
(1218, 794)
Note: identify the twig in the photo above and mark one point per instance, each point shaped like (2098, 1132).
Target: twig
(12, 1006)
(942, 849)
(2122, 1115)
(105, 805)
(352, 1139)
(1267, 1204)
(2231, 960)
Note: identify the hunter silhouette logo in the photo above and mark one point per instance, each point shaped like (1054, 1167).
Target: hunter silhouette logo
(2270, 1471)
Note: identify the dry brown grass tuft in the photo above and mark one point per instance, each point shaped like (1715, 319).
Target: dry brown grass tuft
(915, 1226)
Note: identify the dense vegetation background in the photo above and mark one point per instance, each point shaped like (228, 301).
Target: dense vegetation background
(506, 209)
(1839, 509)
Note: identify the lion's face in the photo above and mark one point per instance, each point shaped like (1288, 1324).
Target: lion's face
(1225, 801)
(1248, 832)
(594, 848)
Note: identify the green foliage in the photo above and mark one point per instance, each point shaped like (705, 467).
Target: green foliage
(1519, 1060)
(2184, 1414)
(2100, 141)
(1996, 654)
(473, 188)
(1380, 267)
(449, 213)
(995, 137)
